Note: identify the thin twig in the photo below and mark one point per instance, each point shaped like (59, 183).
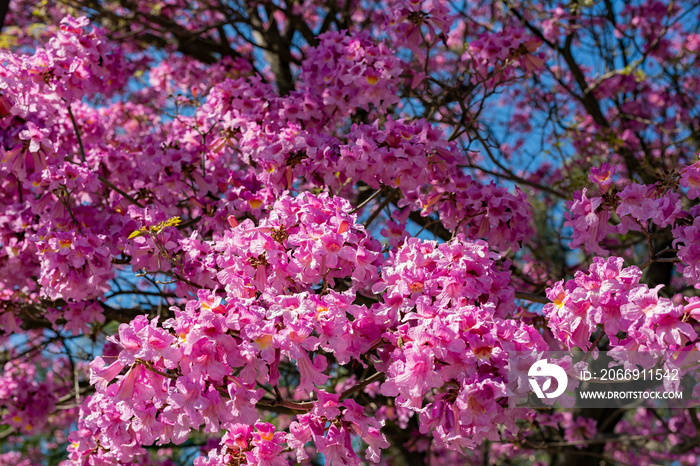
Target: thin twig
(379, 209)
(352, 390)
(656, 258)
(535, 298)
(77, 134)
(368, 200)
(110, 185)
(83, 157)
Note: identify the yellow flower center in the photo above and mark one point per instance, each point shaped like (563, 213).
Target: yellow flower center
(483, 353)
(264, 341)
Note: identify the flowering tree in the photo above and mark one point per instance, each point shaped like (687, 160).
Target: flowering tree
(266, 232)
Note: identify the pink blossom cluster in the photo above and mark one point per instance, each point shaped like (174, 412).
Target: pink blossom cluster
(76, 317)
(335, 441)
(415, 23)
(73, 265)
(75, 246)
(498, 53)
(304, 241)
(10, 298)
(183, 74)
(611, 295)
(415, 158)
(77, 61)
(687, 239)
(636, 205)
(647, 18)
(15, 458)
(29, 391)
(439, 327)
(347, 73)
(60, 247)
(690, 178)
(156, 247)
(248, 444)
(180, 375)
(688, 234)
(446, 304)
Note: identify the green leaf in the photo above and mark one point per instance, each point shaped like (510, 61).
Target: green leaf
(137, 233)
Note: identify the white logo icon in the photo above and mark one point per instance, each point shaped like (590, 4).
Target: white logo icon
(542, 368)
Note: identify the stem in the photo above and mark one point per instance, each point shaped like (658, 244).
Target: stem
(83, 157)
(77, 134)
(535, 298)
(368, 200)
(379, 209)
(110, 185)
(352, 390)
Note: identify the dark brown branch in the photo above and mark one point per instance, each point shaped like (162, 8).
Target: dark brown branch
(356, 388)
(535, 298)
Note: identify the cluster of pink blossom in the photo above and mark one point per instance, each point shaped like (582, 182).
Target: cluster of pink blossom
(611, 295)
(689, 234)
(415, 158)
(336, 441)
(412, 156)
(689, 251)
(15, 458)
(690, 178)
(590, 222)
(636, 205)
(497, 53)
(418, 22)
(76, 317)
(74, 265)
(77, 61)
(305, 241)
(157, 242)
(68, 249)
(647, 18)
(18, 257)
(208, 366)
(182, 74)
(9, 321)
(29, 391)
(347, 73)
(180, 375)
(446, 305)
(247, 444)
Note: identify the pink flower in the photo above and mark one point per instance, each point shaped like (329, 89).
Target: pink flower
(690, 178)
(129, 384)
(590, 223)
(34, 135)
(100, 376)
(311, 373)
(602, 176)
(636, 201)
(687, 240)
